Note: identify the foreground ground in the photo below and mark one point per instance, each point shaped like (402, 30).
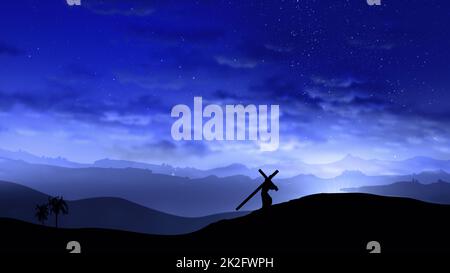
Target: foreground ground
(323, 223)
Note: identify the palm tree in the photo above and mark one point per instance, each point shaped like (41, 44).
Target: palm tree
(42, 213)
(57, 205)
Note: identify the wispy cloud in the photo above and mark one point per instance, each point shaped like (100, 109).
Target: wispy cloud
(235, 62)
(116, 7)
(9, 50)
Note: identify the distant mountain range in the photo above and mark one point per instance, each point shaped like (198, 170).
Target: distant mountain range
(327, 170)
(438, 192)
(230, 170)
(233, 169)
(181, 195)
(372, 167)
(19, 202)
(30, 158)
(172, 194)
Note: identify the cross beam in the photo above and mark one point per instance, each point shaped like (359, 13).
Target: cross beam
(266, 179)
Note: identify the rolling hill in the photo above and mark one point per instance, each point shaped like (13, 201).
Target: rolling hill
(438, 192)
(19, 202)
(317, 224)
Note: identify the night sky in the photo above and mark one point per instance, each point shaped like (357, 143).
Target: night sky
(100, 80)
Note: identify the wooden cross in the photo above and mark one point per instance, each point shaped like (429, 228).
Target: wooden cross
(267, 179)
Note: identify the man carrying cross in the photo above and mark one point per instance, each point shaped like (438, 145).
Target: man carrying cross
(264, 187)
(267, 185)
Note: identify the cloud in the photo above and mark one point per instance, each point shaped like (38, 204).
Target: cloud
(80, 71)
(134, 120)
(65, 99)
(138, 8)
(188, 148)
(277, 48)
(235, 62)
(9, 50)
(150, 82)
(374, 44)
(348, 91)
(368, 102)
(336, 82)
(266, 52)
(165, 150)
(276, 86)
(34, 100)
(223, 95)
(177, 33)
(277, 89)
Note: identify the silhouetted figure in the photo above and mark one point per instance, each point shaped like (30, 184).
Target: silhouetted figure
(265, 187)
(265, 197)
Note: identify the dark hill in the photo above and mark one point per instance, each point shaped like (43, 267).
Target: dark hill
(438, 192)
(329, 223)
(19, 202)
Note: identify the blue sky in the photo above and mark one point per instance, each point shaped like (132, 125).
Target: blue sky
(100, 80)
